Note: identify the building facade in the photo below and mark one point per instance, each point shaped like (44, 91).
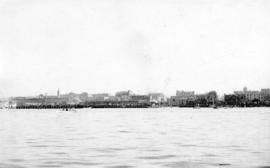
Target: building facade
(158, 98)
(265, 95)
(183, 99)
(124, 95)
(141, 98)
(249, 94)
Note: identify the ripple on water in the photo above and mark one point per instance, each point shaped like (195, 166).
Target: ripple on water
(91, 137)
(120, 166)
(141, 138)
(210, 155)
(60, 146)
(46, 146)
(4, 165)
(123, 131)
(40, 146)
(157, 157)
(103, 155)
(186, 145)
(16, 160)
(74, 163)
(51, 166)
(58, 153)
(184, 164)
(30, 142)
(222, 164)
(151, 150)
(108, 150)
(117, 149)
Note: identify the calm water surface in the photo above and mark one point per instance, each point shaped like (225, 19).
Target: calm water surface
(123, 138)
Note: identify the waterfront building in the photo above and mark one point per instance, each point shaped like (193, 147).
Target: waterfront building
(157, 97)
(98, 97)
(201, 100)
(173, 101)
(71, 97)
(185, 94)
(54, 100)
(28, 101)
(83, 96)
(265, 95)
(212, 97)
(124, 95)
(234, 100)
(45, 100)
(183, 98)
(141, 98)
(112, 98)
(4, 104)
(249, 94)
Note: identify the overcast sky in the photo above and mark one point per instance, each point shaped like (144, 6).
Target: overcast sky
(145, 46)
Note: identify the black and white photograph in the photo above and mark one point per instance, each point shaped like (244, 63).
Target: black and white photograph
(134, 83)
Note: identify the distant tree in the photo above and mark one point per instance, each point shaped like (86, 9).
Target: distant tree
(256, 102)
(230, 100)
(235, 100)
(212, 97)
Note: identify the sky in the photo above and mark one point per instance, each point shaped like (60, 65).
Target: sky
(139, 45)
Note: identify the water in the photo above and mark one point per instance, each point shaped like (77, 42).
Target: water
(123, 138)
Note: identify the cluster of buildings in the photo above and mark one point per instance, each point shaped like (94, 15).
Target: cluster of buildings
(125, 99)
(243, 98)
(120, 99)
(247, 97)
(190, 99)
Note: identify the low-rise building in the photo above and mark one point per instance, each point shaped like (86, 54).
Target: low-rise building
(124, 95)
(182, 98)
(234, 100)
(141, 98)
(157, 98)
(185, 94)
(249, 94)
(28, 101)
(83, 96)
(4, 104)
(265, 95)
(98, 97)
(174, 101)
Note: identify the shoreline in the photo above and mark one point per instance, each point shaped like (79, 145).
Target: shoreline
(66, 108)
